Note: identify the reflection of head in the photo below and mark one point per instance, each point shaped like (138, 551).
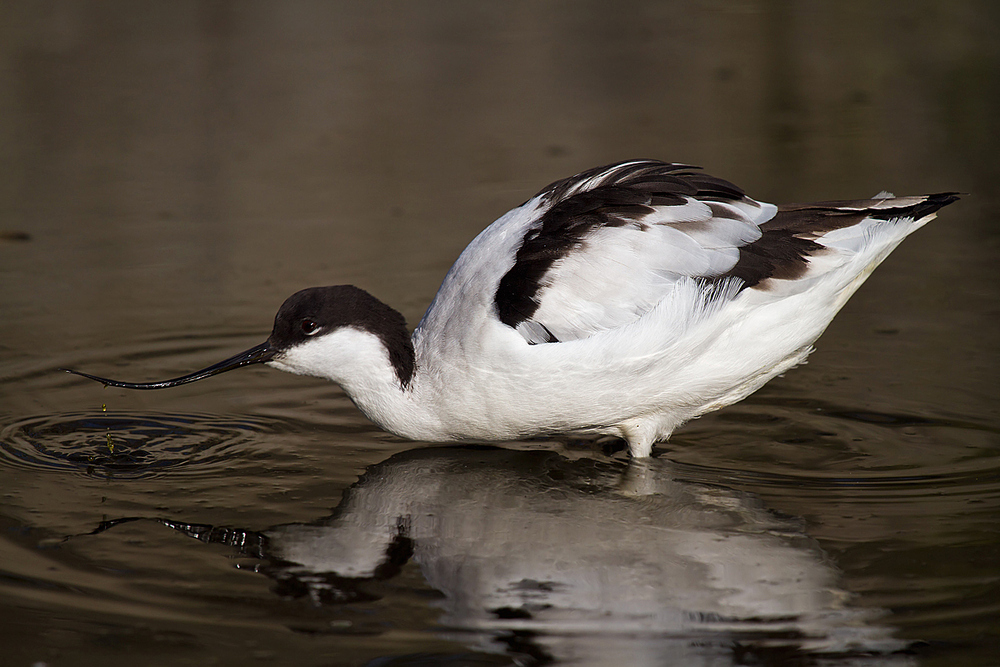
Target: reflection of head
(570, 552)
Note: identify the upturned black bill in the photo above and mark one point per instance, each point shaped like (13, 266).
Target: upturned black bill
(255, 355)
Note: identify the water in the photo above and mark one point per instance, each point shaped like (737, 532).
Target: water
(173, 171)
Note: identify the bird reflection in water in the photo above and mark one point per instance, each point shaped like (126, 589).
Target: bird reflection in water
(579, 561)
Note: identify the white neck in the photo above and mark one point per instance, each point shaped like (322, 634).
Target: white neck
(358, 361)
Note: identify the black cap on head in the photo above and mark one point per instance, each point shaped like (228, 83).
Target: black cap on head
(318, 310)
(305, 314)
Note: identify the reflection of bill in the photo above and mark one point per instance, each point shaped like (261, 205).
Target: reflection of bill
(599, 563)
(583, 562)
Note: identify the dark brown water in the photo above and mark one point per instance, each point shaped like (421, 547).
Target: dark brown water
(173, 170)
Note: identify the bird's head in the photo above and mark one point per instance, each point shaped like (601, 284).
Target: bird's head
(314, 328)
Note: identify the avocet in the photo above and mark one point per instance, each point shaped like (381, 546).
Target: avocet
(624, 300)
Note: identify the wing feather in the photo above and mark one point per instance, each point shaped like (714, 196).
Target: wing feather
(610, 244)
(613, 241)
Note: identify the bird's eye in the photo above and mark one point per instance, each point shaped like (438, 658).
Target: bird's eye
(308, 327)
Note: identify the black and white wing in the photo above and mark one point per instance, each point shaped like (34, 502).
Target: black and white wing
(611, 242)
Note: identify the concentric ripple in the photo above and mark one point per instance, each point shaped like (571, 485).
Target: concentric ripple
(123, 445)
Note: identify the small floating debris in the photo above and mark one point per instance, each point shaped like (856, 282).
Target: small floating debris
(14, 235)
(126, 446)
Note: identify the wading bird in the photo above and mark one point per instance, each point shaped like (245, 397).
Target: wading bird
(624, 300)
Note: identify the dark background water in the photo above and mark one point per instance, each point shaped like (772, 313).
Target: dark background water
(173, 170)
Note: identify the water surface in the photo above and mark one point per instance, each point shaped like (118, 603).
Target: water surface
(174, 170)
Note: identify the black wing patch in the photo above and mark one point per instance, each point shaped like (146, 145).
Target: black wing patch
(620, 195)
(786, 243)
(624, 193)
